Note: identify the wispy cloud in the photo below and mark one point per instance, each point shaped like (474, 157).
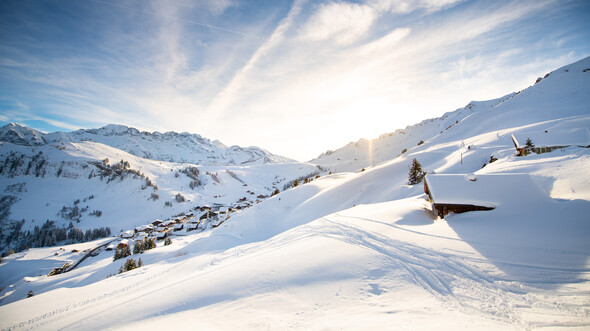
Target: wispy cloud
(339, 22)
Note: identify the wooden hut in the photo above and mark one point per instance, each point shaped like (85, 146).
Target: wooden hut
(462, 193)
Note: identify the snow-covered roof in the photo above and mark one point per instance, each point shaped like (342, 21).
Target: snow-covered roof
(168, 222)
(547, 138)
(143, 227)
(488, 190)
(127, 234)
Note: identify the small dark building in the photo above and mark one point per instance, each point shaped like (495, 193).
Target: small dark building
(462, 193)
(456, 193)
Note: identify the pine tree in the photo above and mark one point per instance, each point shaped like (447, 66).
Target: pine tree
(528, 146)
(139, 263)
(168, 241)
(130, 264)
(125, 251)
(117, 254)
(415, 174)
(137, 248)
(30, 294)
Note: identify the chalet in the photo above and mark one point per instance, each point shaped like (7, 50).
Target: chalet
(127, 234)
(168, 223)
(223, 212)
(192, 226)
(462, 193)
(178, 227)
(549, 140)
(162, 229)
(123, 243)
(205, 215)
(110, 247)
(144, 228)
(156, 222)
(161, 235)
(203, 208)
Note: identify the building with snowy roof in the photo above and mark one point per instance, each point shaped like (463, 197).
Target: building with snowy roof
(128, 234)
(459, 193)
(549, 140)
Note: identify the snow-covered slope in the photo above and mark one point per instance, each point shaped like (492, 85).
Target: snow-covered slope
(362, 250)
(95, 185)
(543, 101)
(169, 146)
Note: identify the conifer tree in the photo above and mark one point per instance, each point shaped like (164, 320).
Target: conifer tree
(528, 146)
(125, 251)
(117, 254)
(30, 294)
(415, 175)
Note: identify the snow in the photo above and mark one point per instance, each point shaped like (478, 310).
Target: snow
(572, 137)
(359, 250)
(490, 190)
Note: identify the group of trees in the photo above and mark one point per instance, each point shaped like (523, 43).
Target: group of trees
(121, 253)
(14, 165)
(305, 179)
(192, 173)
(179, 198)
(118, 170)
(130, 264)
(144, 245)
(48, 235)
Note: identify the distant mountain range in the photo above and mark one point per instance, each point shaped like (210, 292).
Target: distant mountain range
(169, 146)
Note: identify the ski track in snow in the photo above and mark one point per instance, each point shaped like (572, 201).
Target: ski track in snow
(453, 280)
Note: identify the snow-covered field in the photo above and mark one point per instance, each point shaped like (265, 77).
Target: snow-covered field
(362, 250)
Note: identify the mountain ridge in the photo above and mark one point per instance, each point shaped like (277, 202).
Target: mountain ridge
(169, 146)
(547, 90)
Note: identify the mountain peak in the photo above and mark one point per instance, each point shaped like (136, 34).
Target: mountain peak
(169, 146)
(21, 135)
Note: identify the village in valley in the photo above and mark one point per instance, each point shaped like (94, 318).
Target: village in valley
(201, 218)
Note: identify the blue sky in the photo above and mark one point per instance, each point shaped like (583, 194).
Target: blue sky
(294, 77)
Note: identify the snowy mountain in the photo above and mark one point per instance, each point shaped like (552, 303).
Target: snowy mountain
(558, 89)
(359, 250)
(366, 153)
(169, 146)
(66, 178)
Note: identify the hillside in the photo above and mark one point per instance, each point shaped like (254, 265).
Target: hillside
(559, 89)
(364, 250)
(95, 185)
